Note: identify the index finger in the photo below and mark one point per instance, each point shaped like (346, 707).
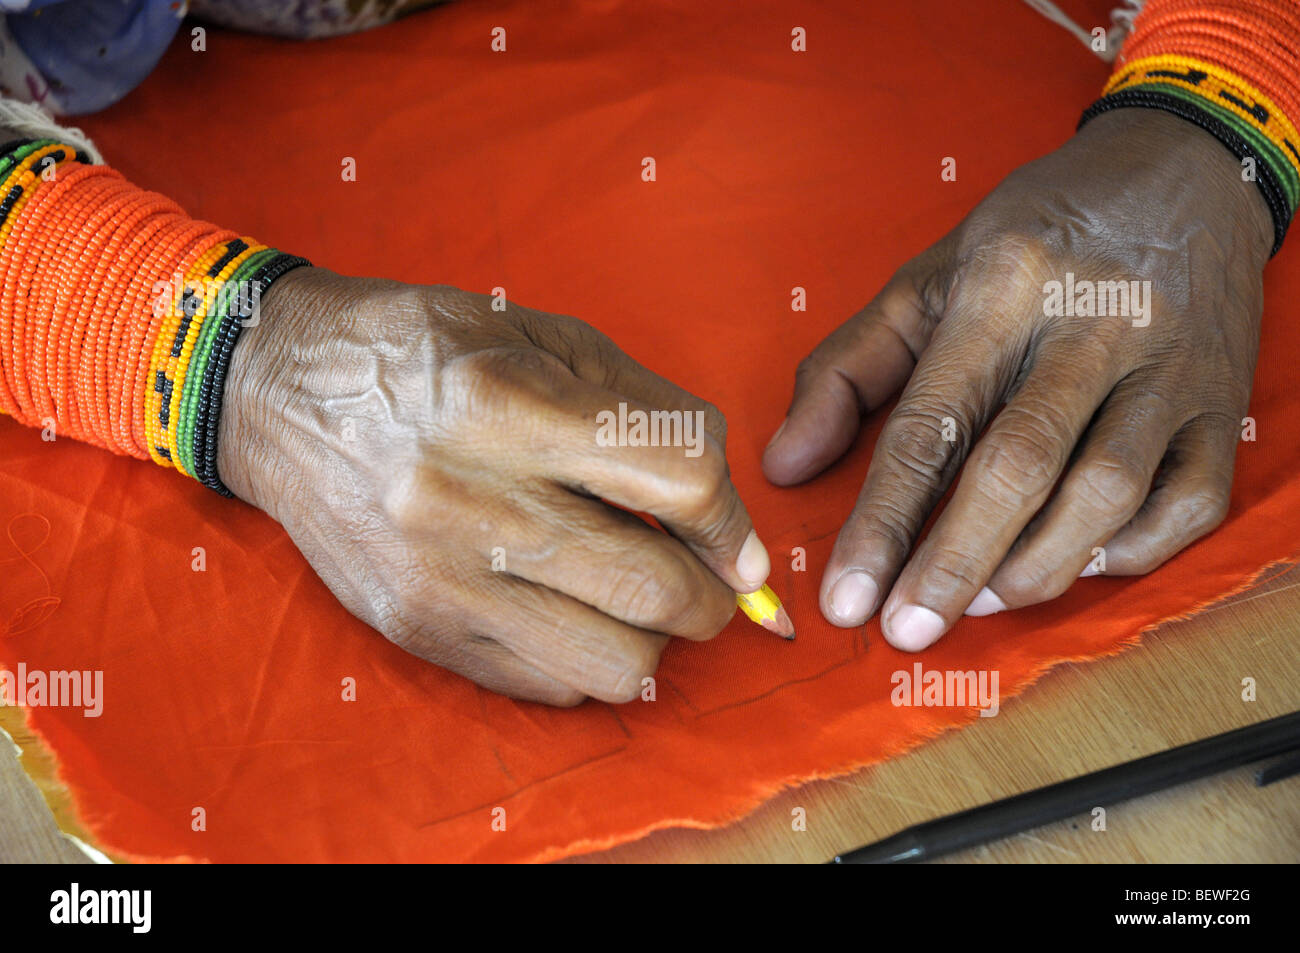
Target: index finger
(959, 378)
(662, 460)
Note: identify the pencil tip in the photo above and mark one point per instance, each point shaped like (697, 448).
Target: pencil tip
(781, 625)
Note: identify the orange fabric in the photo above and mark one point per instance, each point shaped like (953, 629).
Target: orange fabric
(522, 170)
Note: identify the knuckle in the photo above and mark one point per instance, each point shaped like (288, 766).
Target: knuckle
(668, 591)
(417, 502)
(1201, 511)
(672, 597)
(1028, 583)
(715, 422)
(575, 342)
(1115, 483)
(404, 502)
(1233, 403)
(948, 568)
(486, 661)
(807, 368)
(1014, 467)
(720, 529)
(1015, 244)
(503, 381)
(883, 528)
(914, 440)
(486, 368)
(1018, 249)
(645, 593)
(703, 485)
(1143, 557)
(643, 663)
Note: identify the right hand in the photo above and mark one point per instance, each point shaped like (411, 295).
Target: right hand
(405, 436)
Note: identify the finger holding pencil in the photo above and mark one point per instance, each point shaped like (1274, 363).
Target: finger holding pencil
(474, 515)
(691, 495)
(693, 498)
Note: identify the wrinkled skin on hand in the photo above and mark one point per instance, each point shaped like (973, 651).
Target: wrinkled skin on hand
(1138, 423)
(408, 438)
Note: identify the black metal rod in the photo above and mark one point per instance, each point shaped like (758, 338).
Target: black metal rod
(1079, 795)
(1279, 770)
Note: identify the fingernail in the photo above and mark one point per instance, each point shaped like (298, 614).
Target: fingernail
(752, 565)
(1089, 570)
(777, 436)
(853, 598)
(912, 628)
(986, 603)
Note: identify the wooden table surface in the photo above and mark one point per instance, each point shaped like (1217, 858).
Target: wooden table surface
(1182, 684)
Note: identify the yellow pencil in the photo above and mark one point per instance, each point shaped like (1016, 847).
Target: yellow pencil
(765, 608)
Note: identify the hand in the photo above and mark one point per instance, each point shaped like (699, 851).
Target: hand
(1137, 416)
(437, 463)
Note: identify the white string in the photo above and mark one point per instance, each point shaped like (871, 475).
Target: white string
(1121, 19)
(32, 122)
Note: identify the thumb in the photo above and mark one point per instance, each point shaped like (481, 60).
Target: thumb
(853, 371)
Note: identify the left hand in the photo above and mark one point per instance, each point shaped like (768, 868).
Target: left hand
(1138, 421)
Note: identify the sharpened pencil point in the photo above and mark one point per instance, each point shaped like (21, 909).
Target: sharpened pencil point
(765, 608)
(781, 625)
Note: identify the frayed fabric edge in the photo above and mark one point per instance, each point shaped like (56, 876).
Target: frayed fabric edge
(67, 814)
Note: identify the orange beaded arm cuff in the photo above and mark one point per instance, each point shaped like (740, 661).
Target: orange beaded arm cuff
(118, 312)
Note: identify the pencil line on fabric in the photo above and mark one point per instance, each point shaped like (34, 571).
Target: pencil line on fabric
(496, 802)
(776, 688)
(501, 763)
(619, 721)
(680, 694)
(859, 639)
(859, 636)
